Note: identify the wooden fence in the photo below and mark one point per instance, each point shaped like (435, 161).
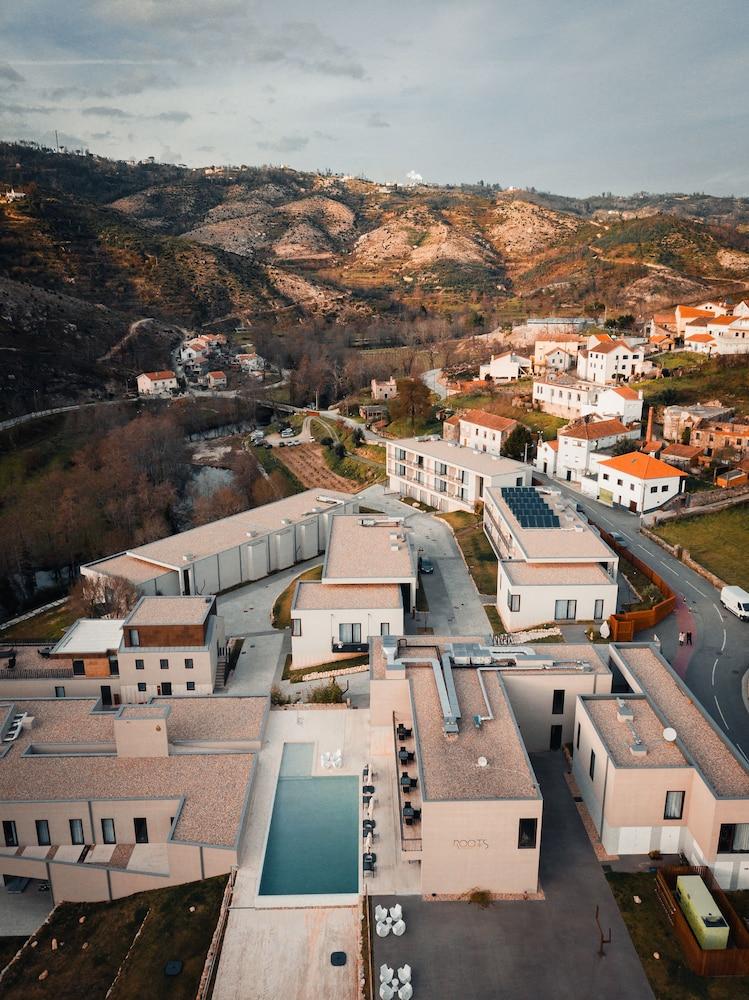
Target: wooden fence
(731, 961)
(624, 626)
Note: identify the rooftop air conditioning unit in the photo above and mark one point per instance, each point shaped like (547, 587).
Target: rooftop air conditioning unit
(395, 547)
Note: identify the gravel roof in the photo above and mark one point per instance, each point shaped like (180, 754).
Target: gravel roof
(458, 455)
(704, 744)
(547, 574)
(29, 658)
(618, 737)
(449, 763)
(312, 595)
(136, 570)
(170, 611)
(361, 551)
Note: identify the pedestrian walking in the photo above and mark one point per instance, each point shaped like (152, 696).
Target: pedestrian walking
(681, 638)
(689, 638)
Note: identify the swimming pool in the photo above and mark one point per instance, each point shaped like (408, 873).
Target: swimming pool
(313, 842)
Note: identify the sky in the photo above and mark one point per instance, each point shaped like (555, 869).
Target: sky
(572, 96)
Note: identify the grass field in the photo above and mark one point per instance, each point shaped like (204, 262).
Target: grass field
(478, 553)
(281, 616)
(169, 930)
(719, 542)
(534, 419)
(49, 625)
(494, 620)
(728, 383)
(297, 676)
(669, 976)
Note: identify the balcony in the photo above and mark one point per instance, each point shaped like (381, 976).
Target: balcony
(349, 647)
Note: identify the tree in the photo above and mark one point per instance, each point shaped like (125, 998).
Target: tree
(518, 443)
(413, 401)
(357, 437)
(624, 446)
(686, 435)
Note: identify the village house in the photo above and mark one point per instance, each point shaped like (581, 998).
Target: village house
(552, 565)
(635, 481)
(708, 310)
(567, 397)
(556, 351)
(713, 437)
(157, 383)
(718, 335)
(384, 389)
(216, 380)
(678, 418)
(581, 442)
(479, 430)
(507, 367)
(607, 360)
(250, 362)
(683, 456)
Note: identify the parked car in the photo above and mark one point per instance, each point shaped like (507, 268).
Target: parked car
(288, 432)
(619, 538)
(426, 565)
(736, 600)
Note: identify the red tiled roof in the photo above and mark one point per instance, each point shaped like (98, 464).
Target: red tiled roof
(685, 311)
(608, 346)
(593, 430)
(216, 374)
(721, 320)
(681, 451)
(625, 392)
(159, 376)
(699, 338)
(650, 446)
(641, 466)
(491, 420)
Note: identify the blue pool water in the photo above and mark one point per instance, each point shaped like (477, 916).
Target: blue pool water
(313, 843)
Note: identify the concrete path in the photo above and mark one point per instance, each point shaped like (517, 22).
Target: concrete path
(545, 948)
(23, 912)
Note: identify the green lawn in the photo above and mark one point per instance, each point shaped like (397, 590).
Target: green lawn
(494, 620)
(48, 626)
(681, 359)
(297, 676)
(478, 553)
(281, 616)
(669, 976)
(401, 428)
(719, 542)
(534, 419)
(170, 930)
(728, 383)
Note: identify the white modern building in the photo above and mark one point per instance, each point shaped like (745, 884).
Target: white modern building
(479, 430)
(581, 441)
(447, 476)
(236, 549)
(506, 367)
(562, 395)
(553, 567)
(606, 360)
(557, 351)
(638, 482)
(157, 383)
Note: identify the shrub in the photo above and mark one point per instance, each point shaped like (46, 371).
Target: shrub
(328, 694)
(482, 897)
(277, 697)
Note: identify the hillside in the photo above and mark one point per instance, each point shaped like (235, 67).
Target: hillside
(107, 243)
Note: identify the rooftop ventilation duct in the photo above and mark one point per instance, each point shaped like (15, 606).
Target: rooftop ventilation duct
(624, 712)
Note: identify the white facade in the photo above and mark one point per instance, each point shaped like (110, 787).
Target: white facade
(576, 453)
(324, 635)
(447, 476)
(507, 367)
(608, 360)
(156, 383)
(650, 483)
(484, 432)
(617, 401)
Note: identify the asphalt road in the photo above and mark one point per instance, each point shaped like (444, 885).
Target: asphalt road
(721, 642)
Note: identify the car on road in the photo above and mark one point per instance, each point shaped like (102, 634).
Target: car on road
(426, 565)
(619, 538)
(288, 432)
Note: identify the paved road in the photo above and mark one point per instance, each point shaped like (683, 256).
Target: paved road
(720, 656)
(430, 379)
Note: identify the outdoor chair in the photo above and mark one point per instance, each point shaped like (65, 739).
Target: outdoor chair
(399, 928)
(386, 974)
(386, 991)
(396, 912)
(405, 992)
(404, 974)
(380, 914)
(382, 929)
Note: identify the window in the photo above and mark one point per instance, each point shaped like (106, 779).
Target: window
(632, 486)
(10, 833)
(191, 685)
(141, 830)
(165, 688)
(557, 705)
(441, 486)
(577, 738)
(653, 489)
(140, 665)
(400, 470)
(349, 632)
(114, 666)
(296, 626)
(733, 838)
(674, 805)
(664, 488)
(59, 691)
(513, 601)
(527, 834)
(519, 481)
(384, 628)
(592, 765)
(188, 663)
(598, 609)
(164, 664)
(134, 637)
(441, 469)
(42, 833)
(76, 831)
(108, 834)
(141, 685)
(565, 611)
(78, 668)
(606, 476)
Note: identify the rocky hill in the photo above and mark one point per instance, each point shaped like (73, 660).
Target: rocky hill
(106, 243)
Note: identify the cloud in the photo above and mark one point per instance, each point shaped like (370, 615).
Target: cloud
(7, 73)
(325, 136)
(376, 120)
(102, 110)
(286, 144)
(101, 135)
(25, 109)
(178, 117)
(205, 149)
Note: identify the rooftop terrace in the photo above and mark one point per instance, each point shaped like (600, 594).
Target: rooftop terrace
(362, 547)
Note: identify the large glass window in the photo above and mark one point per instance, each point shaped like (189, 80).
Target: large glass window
(513, 601)
(349, 632)
(76, 831)
(733, 838)
(557, 706)
(10, 833)
(134, 637)
(674, 805)
(527, 829)
(42, 833)
(141, 830)
(384, 628)
(565, 611)
(598, 609)
(108, 834)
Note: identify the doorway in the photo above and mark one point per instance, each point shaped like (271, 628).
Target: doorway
(106, 695)
(633, 505)
(165, 687)
(555, 743)
(186, 582)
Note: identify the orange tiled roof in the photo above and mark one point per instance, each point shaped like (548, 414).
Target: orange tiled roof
(699, 338)
(608, 346)
(216, 374)
(721, 320)
(682, 451)
(159, 376)
(666, 317)
(625, 392)
(650, 446)
(685, 311)
(593, 430)
(490, 420)
(641, 466)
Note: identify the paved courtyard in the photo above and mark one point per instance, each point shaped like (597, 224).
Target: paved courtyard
(23, 912)
(547, 948)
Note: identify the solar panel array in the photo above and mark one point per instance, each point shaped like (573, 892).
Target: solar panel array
(529, 508)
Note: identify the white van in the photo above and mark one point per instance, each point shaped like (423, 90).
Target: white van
(737, 601)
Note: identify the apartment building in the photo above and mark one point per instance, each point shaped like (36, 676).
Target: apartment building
(469, 714)
(580, 442)
(687, 314)
(448, 476)
(552, 565)
(607, 360)
(479, 430)
(656, 773)
(714, 437)
(232, 550)
(102, 804)
(638, 482)
(384, 389)
(368, 584)
(676, 419)
(157, 383)
(564, 396)
(506, 367)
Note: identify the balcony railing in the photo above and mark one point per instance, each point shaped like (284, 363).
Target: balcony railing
(349, 647)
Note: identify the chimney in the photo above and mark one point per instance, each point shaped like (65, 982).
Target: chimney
(649, 432)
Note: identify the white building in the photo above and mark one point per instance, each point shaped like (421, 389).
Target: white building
(250, 362)
(552, 565)
(616, 401)
(507, 367)
(636, 481)
(579, 442)
(447, 476)
(718, 335)
(216, 380)
(606, 360)
(557, 351)
(686, 314)
(157, 383)
(479, 430)
(564, 396)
